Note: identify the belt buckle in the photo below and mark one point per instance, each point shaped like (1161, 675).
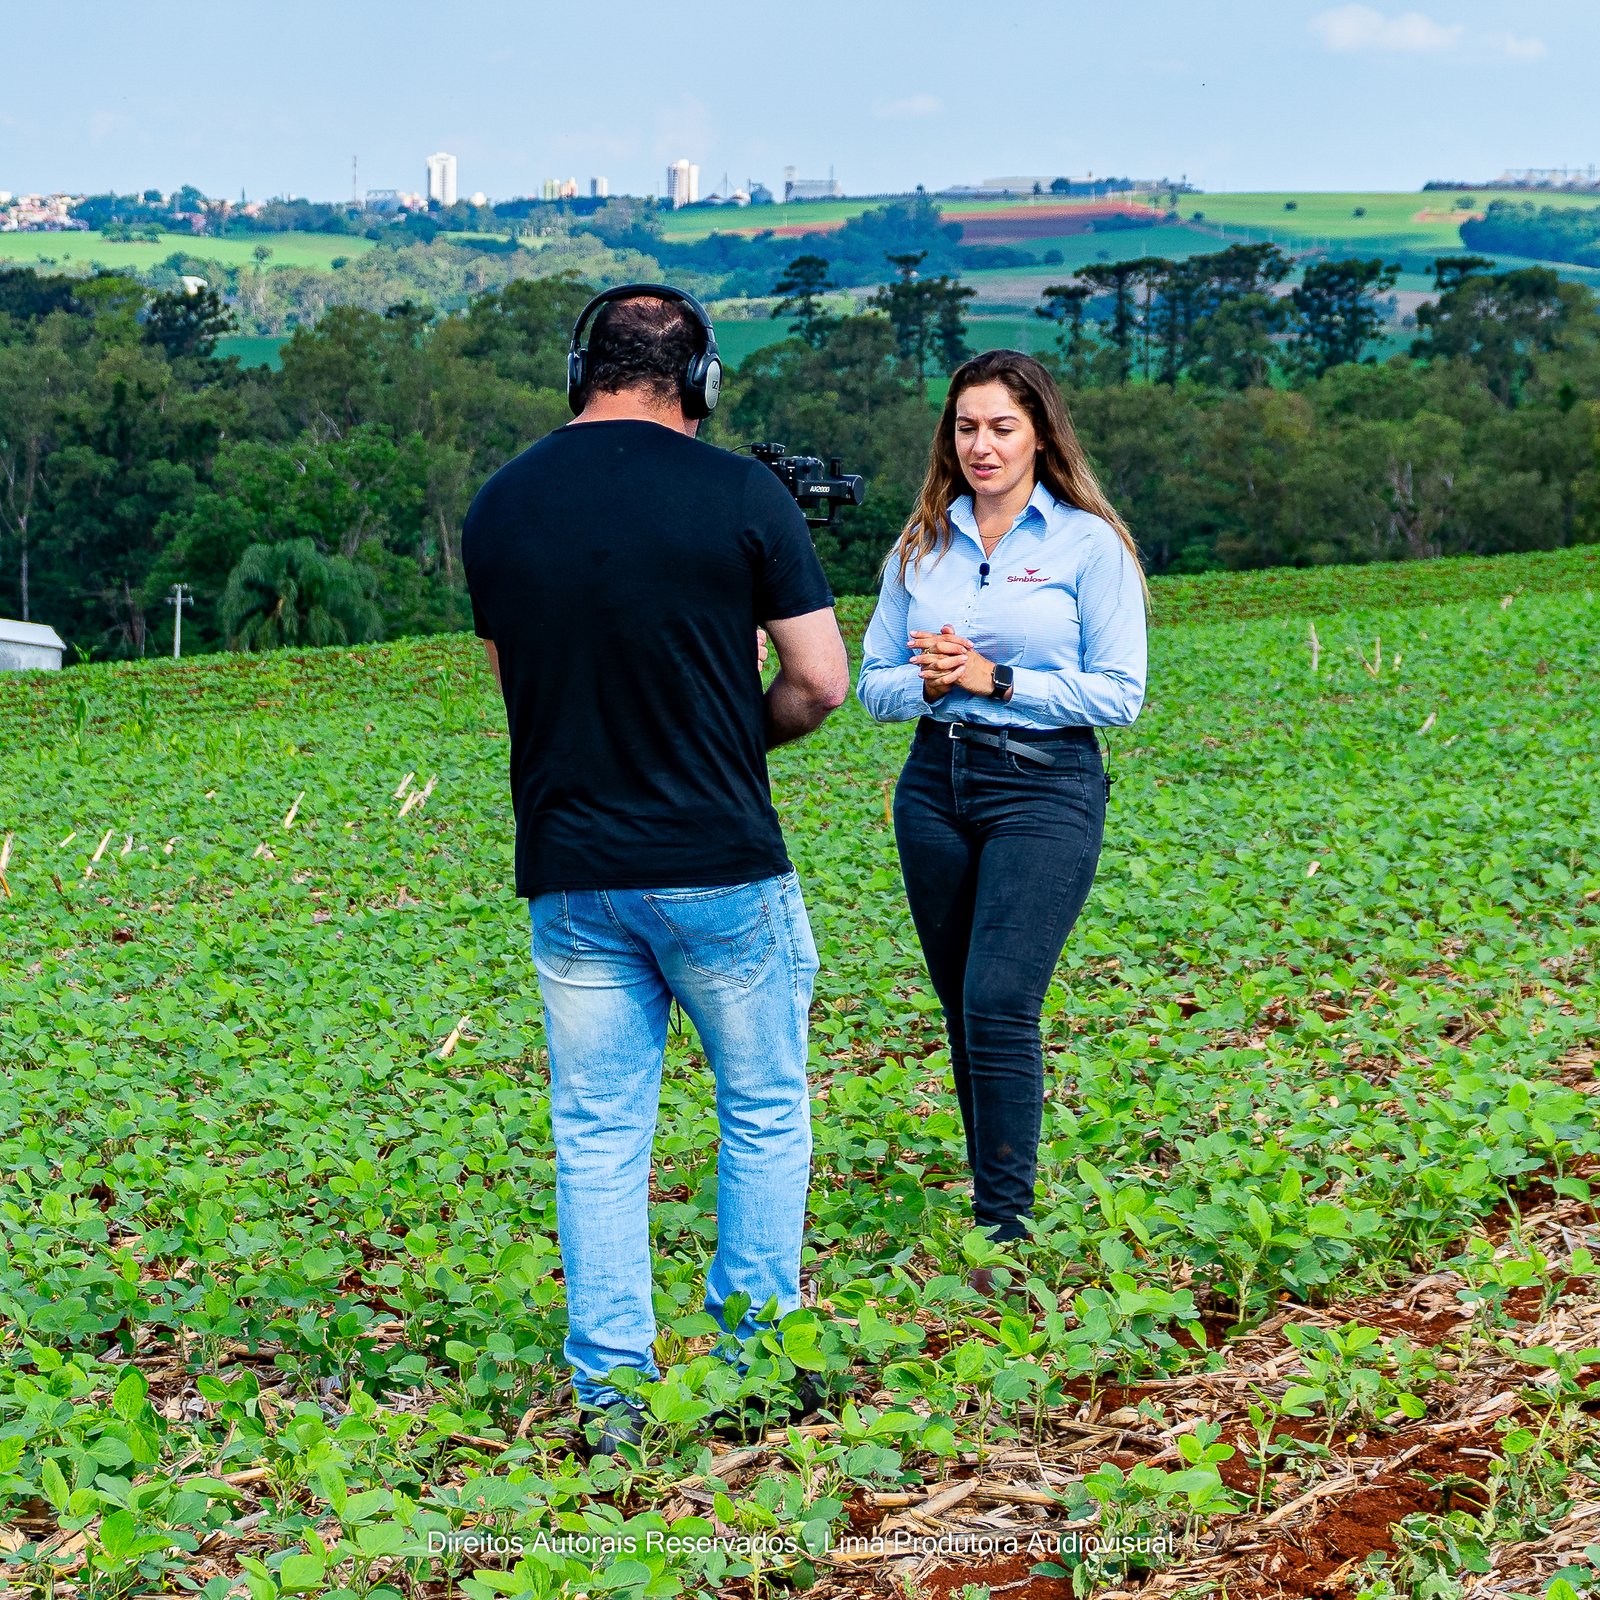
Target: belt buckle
(955, 730)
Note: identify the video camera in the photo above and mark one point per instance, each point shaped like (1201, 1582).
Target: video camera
(819, 494)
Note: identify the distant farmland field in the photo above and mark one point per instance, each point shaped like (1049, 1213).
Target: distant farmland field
(738, 339)
(1398, 221)
(1394, 222)
(254, 349)
(78, 250)
(1024, 224)
(1415, 224)
(820, 216)
(1029, 333)
(693, 223)
(1422, 221)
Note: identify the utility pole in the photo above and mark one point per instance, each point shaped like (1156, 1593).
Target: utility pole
(178, 599)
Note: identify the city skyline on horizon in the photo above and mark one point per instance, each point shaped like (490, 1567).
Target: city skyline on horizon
(597, 186)
(1304, 96)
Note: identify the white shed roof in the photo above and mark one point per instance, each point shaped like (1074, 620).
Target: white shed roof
(36, 633)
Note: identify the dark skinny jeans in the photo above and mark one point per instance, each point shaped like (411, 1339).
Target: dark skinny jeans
(998, 854)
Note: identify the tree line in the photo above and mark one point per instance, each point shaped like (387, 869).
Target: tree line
(188, 208)
(1548, 233)
(1234, 426)
(323, 502)
(1213, 318)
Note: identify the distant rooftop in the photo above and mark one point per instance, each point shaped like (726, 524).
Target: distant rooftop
(13, 632)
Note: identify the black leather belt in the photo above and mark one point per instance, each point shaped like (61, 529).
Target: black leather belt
(1016, 741)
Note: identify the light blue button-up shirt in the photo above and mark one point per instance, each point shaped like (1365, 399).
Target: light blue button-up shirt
(1062, 605)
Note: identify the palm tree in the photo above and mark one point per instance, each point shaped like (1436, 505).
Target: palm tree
(289, 593)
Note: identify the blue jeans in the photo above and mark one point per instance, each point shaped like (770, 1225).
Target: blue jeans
(998, 855)
(740, 960)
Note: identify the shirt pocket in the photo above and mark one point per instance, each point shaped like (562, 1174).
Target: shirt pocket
(1006, 642)
(1001, 632)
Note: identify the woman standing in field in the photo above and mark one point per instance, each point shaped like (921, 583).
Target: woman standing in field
(1011, 623)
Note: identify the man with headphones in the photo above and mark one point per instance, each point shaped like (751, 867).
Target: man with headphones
(619, 569)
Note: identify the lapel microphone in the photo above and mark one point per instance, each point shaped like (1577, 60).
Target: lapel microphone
(983, 574)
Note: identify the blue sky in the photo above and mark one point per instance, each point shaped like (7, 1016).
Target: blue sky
(276, 95)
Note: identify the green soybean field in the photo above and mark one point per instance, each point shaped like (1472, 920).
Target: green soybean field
(1311, 1307)
(77, 250)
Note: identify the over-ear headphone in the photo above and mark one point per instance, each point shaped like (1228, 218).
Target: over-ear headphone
(701, 382)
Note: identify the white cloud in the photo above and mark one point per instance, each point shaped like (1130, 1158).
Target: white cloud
(1358, 27)
(1522, 49)
(916, 105)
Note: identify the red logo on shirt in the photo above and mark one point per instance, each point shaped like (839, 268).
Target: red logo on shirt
(1030, 577)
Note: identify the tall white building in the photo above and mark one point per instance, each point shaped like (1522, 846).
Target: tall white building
(683, 183)
(599, 188)
(442, 178)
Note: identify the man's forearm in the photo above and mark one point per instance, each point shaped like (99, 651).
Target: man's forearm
(791, 713)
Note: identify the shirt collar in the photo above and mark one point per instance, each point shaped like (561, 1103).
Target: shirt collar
(1041, 503)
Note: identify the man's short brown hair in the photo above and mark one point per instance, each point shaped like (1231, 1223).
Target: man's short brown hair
(643, 343)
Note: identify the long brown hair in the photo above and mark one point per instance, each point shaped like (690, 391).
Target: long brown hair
(1061, 465)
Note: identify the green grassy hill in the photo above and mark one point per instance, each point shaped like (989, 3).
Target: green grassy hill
(689, 223)
(1413, 227)
(76, 251)
(1413, 222)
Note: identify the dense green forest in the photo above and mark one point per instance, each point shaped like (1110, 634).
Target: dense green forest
(1236, 425)
(1548, 233)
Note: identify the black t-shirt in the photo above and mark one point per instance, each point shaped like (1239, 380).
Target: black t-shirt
(621, 569)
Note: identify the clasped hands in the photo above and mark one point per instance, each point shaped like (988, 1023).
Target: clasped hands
(950, 662)
(947, 661)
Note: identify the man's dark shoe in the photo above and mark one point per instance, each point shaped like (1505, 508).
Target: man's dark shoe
(618, 1425)
(808, 1396)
